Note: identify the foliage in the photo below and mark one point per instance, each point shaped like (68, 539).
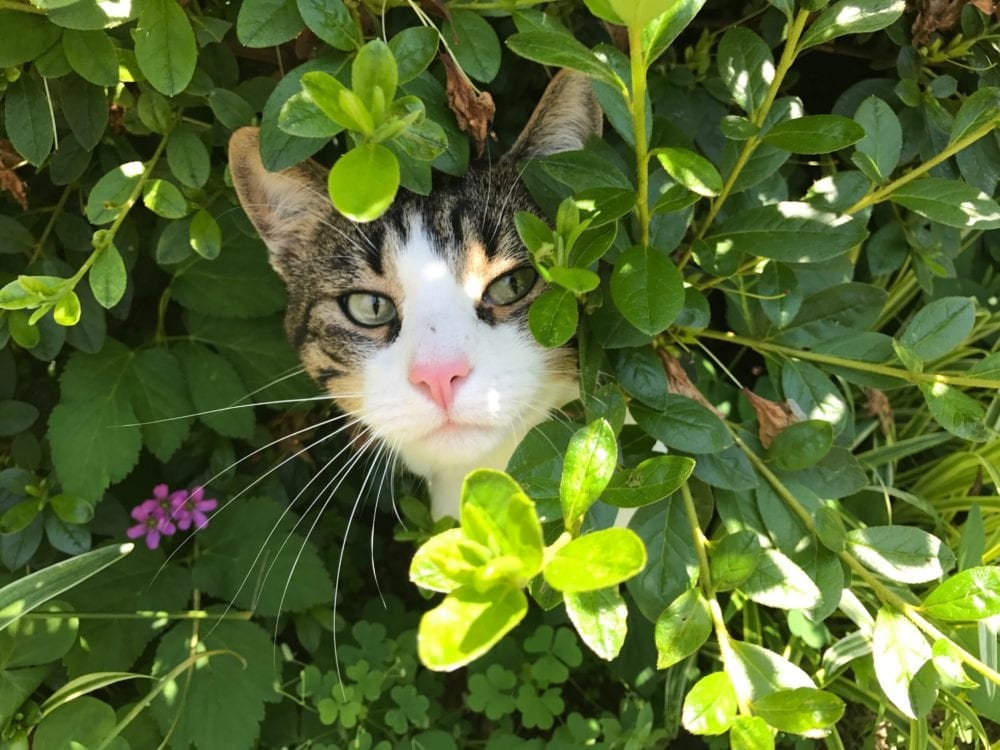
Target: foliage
(781, 261)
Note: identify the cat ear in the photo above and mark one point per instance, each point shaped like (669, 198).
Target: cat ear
(566, 116)
(287, 207)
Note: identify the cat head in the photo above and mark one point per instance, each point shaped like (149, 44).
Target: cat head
(416, 323)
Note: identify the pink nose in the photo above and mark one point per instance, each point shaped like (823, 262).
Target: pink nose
(438, 379)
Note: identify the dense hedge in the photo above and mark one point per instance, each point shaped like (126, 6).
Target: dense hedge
(781, 259)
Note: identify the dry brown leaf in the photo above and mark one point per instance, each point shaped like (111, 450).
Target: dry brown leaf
(473, 109)
(772, 416)
(680, 384)
(877, 405)
(9, 181)
(942, 15)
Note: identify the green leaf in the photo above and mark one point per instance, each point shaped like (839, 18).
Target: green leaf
(939, 327)
(751, 732)
(364, 181)
(647, 289)
(496, 514)
(595, 561)
(682, 628)
(28, 124)
(978, 110)
(600, 618)
(230, 109)
(374, 78)
(32, 590)
(883, 140)
(447, 561)
(94, 404)
(562, 51)
(899, 650)
(414, 49)
(467, 624)
(165, 47)
(187, 157)
(108, 277)
(205, 235)
(746, 67)
(164, 199)
(711, 705)
(788, 231)
(756, 671)
(16, 416)
(733, 558)
(806, 711)
(332, 22)
(801, 445)
(637, 13)
(301, 116)
(904, 554)
(92, 55)
(474, 43)
(851, 17)
(968, 596)
(110, 195)
(660, 33)
(267, 23)
(691, 170)
(217, 392)
(684, 424)
(951, 202)
(589, 463)
(85, 107)
(244, 674)
(159, 395)
(956, 411)
(553, 317)
(814, 134)
(255, 560)
(651, 480)
(83, 722)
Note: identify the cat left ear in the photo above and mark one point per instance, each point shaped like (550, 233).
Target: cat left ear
(567, 115)
(287, 207)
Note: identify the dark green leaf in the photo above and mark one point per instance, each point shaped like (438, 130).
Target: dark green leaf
(159, 395)
(647, 289)
(851, 17)
(788, 231)
(230, 109)
(978, 109)
(733, 559)
(28, 124)
(85, 107)
(109, 197)
(652, 480)
(108, 278)
(414, 49)
(332, 22)
(746, 67)
(92, 55)
(956, 411)
(802, 444)
(815, 134)
(883, 140)
(16, 416)
(165, 47)
(939, 327)
(904, 554)
(553, 48)
(266, 23)
(950, 202)
(553, 317)
(474, 43)
(217, 392)
(684, 424)
(24, 36)
(187, 157)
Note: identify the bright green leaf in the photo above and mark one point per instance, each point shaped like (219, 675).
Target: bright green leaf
(364, 181)
(589, 463)
(968, 596)
(682, 628)
(710, 707)
(806, 711)
(595, 561)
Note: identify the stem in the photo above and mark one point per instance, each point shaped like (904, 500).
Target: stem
(914, 378)
(56, 213)
(788, 55)
(637, 102)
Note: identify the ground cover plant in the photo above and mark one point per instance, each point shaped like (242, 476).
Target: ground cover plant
(781, 260)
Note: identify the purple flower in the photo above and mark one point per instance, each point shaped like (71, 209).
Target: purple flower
(165, 512)
(191, 507)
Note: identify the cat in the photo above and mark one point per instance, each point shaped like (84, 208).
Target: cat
(416, 323)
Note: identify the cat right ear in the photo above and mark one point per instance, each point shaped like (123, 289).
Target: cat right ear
(286, 207)
(566, 116)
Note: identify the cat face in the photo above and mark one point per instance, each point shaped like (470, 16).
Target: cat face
(416, 323)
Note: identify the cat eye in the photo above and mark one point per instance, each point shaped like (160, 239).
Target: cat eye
(512, 286)
(368, 309)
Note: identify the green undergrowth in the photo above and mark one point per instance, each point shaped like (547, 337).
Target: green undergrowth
(781, 261)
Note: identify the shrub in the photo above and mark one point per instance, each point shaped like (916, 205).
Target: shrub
(781, 261)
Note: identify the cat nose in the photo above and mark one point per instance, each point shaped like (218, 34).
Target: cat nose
(438, 379)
